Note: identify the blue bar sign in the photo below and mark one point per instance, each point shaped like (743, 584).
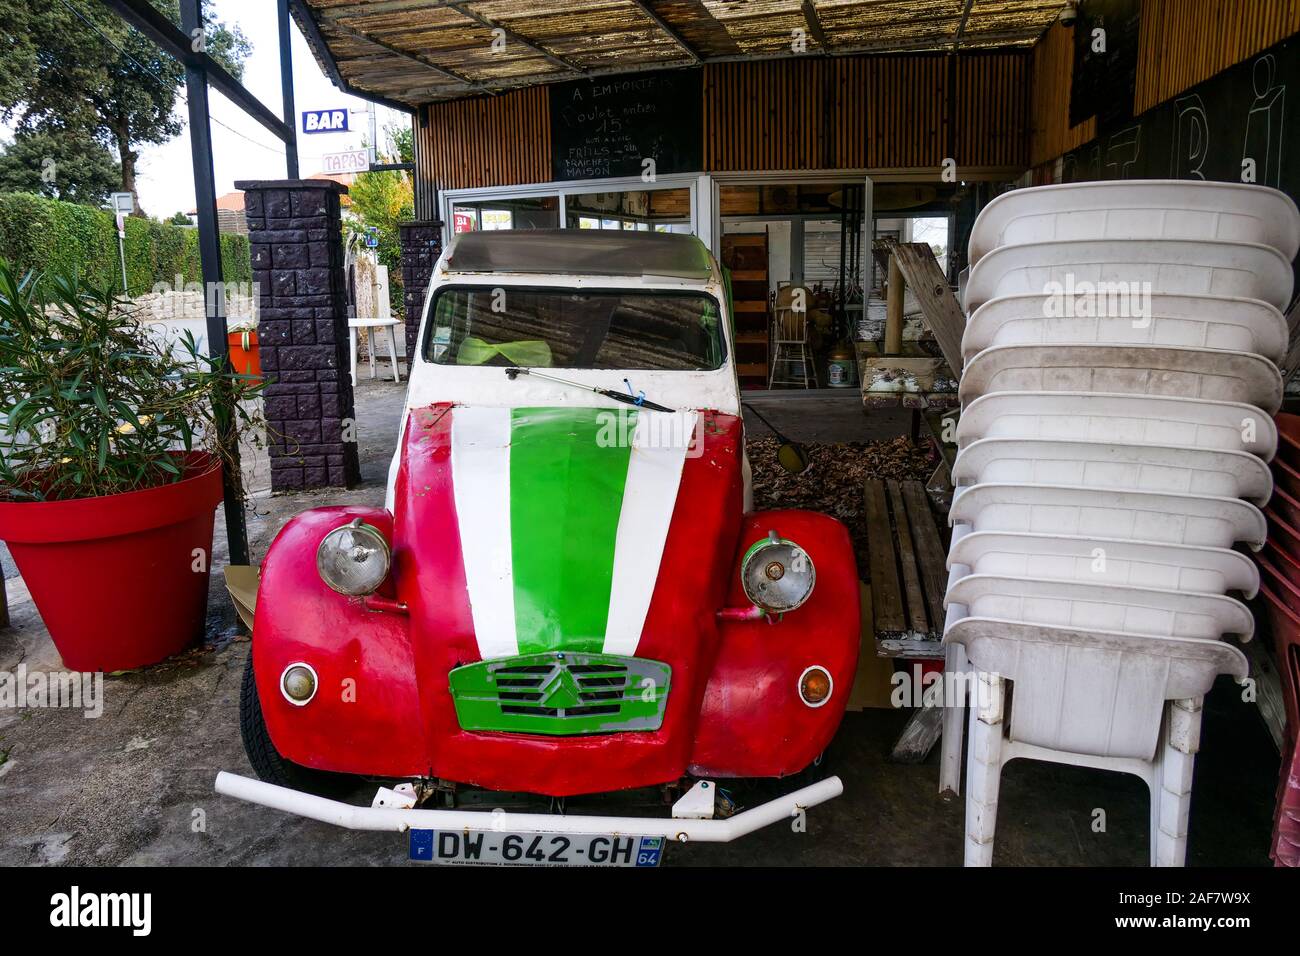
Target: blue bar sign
(324, 121)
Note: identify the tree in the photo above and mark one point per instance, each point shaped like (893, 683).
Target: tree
(67, 165)
(78, 66)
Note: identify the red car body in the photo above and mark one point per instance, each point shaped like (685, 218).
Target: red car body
(384, 707)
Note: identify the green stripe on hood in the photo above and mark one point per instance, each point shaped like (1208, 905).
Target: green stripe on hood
(568, 469)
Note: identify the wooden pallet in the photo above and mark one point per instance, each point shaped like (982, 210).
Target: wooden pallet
(906, 557)
(907, 561)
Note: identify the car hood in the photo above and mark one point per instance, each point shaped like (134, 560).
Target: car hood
(563, 518)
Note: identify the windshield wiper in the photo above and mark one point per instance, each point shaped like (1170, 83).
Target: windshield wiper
(633, 400)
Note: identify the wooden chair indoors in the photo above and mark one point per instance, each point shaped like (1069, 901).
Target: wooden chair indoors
(791, 356)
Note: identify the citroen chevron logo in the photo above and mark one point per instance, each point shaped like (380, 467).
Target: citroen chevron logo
(560, 689)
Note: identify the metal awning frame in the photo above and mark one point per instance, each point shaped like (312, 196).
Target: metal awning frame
(201, 73)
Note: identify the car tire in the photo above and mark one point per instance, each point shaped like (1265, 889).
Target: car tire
(266, 760)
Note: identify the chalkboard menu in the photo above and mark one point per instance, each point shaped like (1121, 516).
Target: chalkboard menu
(1105, 60)
(609, 126)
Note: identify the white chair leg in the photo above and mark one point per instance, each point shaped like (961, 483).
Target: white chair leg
(984, 769)
(352, 351)
(1171, 783)
(392, 351)
(954, 718)
(370, 349)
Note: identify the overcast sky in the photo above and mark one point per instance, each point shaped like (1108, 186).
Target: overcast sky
(242, 147)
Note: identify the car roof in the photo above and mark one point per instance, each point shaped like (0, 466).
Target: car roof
(591, 252)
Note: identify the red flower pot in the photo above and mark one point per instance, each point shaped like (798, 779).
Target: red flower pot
(245, 356)
(114, 577)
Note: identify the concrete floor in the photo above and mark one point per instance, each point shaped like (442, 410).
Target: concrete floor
(134, 787)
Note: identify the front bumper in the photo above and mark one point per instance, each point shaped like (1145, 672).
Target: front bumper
(399, 820)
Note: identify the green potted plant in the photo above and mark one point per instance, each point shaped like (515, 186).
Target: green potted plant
(112, 446)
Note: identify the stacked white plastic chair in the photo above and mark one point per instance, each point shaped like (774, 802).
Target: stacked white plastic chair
(1112, 454)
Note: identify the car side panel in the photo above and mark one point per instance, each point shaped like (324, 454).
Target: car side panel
(363, 716)
(753, 722)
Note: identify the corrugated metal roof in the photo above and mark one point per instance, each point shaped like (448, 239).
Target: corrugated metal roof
(423, 51)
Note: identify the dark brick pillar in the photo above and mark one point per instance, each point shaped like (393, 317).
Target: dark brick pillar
(421, 247)
(297, 250)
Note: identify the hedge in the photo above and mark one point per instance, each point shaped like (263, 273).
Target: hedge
(48, 235)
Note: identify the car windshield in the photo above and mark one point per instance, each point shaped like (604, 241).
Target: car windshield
(572, 328)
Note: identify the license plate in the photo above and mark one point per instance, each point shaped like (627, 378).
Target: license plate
(491, 848)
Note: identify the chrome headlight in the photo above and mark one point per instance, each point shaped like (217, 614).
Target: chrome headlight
(777, 574)
(353, 559)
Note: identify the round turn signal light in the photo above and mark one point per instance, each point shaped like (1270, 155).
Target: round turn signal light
(298, 683)
(815, 686)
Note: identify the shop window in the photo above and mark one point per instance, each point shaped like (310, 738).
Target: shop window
(632, 210)
(821, 252)
(534, 212)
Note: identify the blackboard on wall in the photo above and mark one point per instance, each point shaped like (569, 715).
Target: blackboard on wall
(608, 127)
(1105, 62)
(1242, 125)
(1244, 122)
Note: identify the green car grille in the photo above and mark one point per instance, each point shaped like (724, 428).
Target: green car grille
(560, 692)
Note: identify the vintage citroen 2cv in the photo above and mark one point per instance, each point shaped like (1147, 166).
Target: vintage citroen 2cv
(568, 591)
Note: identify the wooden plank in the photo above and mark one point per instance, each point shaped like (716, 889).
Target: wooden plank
(886, 597)
(931, 559)
(916, 613)
(896, 289)
(1292, 360)
(1268, 690)
(939, 488)
(872, 684)
(939, 305)
(910, 648)
(941, 423)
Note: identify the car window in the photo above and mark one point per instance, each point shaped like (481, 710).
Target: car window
(570, 328)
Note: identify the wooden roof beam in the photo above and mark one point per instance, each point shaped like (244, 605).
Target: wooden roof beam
(815, 25)
(373, 7)
(667, 28)
(961, 27)
(464, 11)
(470, 85)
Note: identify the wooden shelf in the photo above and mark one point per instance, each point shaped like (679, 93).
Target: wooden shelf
(745, 254)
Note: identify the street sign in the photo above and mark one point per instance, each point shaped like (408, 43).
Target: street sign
(324, 121)
(122, 203)
(352, 161)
